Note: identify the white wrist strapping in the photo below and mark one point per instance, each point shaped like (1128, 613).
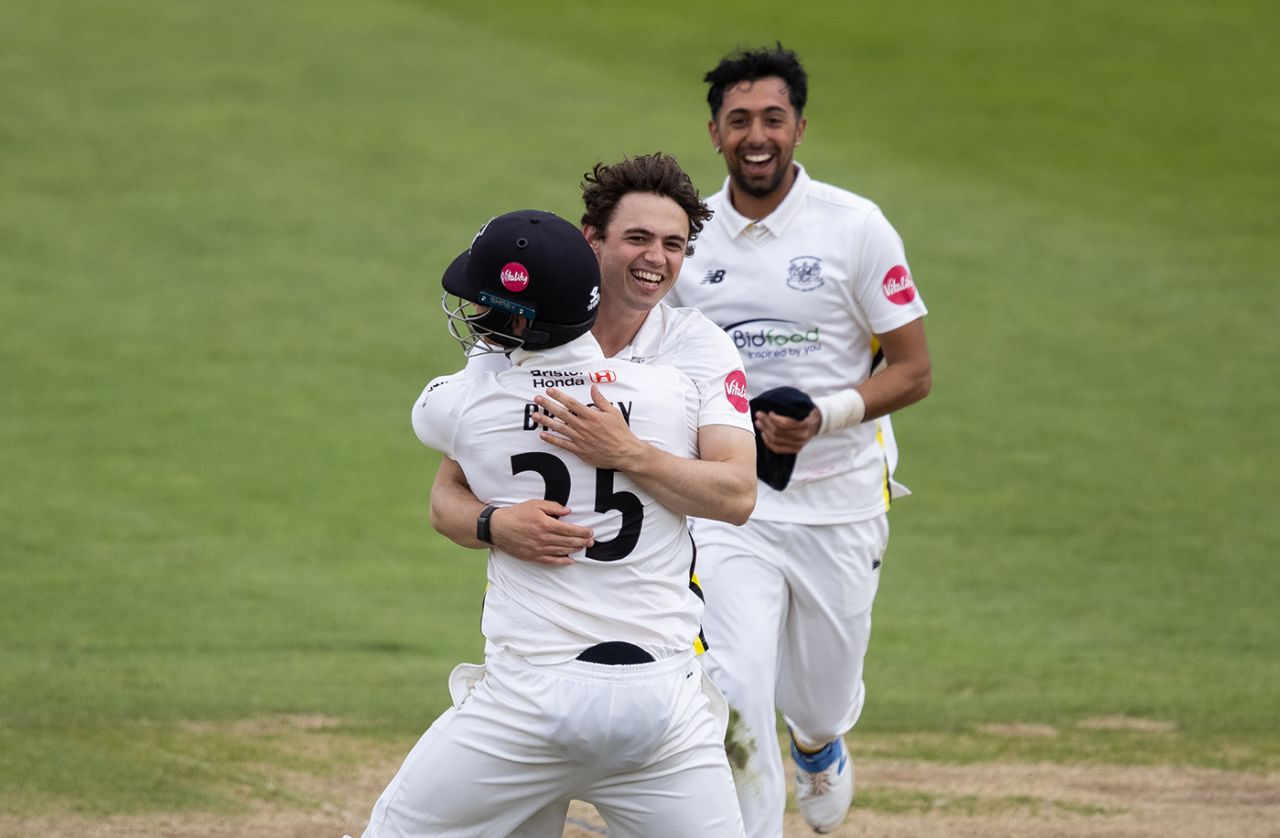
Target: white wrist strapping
(840, 410)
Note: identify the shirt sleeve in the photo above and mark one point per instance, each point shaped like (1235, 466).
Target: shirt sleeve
(708, 356)
(883, 285)
(435, 412)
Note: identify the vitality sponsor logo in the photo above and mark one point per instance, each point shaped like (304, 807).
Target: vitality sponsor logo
(898, 286)
(804, 273)
(514, 276)
(715, 276)
(771, 338)
(604, 377)
(735, 390)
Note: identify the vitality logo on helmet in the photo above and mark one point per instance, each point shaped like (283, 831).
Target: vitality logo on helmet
(514, 276)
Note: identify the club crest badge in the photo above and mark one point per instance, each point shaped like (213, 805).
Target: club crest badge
(804, 273)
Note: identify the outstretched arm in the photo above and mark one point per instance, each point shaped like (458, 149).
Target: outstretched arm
(721, 484)
(531, 530)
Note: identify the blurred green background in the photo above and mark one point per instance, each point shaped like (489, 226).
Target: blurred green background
(221, 231)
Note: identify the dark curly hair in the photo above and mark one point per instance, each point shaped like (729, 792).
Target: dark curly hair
(753, 65)
(659, 174)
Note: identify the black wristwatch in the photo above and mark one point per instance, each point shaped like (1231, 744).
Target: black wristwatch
(482, 525)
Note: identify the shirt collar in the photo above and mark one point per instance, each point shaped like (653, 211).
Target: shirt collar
(648, 339)
(775, 222)
(575, 352)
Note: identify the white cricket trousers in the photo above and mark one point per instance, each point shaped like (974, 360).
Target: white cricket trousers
(787, 622)
(643, 743)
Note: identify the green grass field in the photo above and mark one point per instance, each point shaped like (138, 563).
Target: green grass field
(221, 232)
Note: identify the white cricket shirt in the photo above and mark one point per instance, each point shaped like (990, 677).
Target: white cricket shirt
(633, 584)
(801, 293)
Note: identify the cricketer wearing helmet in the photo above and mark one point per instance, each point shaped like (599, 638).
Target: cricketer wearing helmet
(590, 688)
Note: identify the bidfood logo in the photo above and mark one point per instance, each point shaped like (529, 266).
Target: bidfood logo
(774, 334)
(769, 338)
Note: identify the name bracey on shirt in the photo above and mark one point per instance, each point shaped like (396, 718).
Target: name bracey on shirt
(530, 408)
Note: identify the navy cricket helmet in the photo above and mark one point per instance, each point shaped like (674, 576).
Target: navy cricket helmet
(529, 264)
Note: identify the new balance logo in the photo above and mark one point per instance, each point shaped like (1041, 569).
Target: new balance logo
(713, 277)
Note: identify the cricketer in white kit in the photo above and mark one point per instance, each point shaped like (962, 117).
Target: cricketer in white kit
(802, 294)
(590, 689)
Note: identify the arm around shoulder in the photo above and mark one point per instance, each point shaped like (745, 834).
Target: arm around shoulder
(720, 484)
(734, 450)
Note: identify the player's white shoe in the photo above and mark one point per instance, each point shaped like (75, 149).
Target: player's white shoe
(824, 785)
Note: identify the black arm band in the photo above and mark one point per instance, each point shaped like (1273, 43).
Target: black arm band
(482, 525)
